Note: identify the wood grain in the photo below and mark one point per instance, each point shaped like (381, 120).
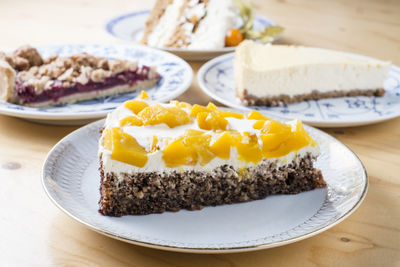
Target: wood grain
(34, 232)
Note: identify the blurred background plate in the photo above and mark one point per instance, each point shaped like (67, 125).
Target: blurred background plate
(130, 27)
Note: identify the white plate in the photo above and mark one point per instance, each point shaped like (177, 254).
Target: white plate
(176, 75)
(216, 79)
(71, 179)
(130, 27)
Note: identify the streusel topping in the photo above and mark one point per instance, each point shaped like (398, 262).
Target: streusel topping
(81, 68)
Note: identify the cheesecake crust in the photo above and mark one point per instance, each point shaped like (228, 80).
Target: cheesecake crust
(283, 99)
(157, 192)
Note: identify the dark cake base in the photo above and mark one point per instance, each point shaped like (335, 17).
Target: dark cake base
(282, 99)
(144, 193)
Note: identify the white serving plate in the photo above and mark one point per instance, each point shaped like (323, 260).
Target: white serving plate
(71, 179)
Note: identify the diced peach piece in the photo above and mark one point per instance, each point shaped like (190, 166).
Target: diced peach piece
(211, 121)
(157, 114)
(131, 121)
(126, 149)
(272, 141)
(107, 139)
(154, 144)
(259, 124)
(143, 95)
(275, 127)
(199, 141)
(193, 132)
(212, 107)
(177, 154)
(236, 115)
(255, 115)
(196, 109)
(222, 146)
(249, 150)
(180, 104)
(135, 105)
(289, 141)
(300, 129)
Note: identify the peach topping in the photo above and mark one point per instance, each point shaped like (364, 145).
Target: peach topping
(214, 139)
(124, 147)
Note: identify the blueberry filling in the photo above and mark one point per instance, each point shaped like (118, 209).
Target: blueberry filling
(27, 93)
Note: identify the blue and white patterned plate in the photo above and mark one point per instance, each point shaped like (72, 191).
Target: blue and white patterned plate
(71, 179)
(130, 27)
(176, 78)
(216, 79)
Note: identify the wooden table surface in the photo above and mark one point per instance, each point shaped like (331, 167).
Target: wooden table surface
(34, 232)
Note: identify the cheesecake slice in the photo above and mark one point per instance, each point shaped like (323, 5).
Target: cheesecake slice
(158, 157)
(271, 75)
(28, 79)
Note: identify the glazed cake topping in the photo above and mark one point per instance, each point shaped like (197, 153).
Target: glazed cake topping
(189, 135)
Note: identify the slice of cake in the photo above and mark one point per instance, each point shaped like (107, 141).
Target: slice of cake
(272, 75)
(28, 79)
(166, 157)
(192, 24)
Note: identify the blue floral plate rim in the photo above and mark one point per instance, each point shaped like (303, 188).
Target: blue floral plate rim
(364, 110)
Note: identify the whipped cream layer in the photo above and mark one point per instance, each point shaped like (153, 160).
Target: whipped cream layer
(155, 163)
(273, 70)
(212, 29)
(203, 25)
(167, 24)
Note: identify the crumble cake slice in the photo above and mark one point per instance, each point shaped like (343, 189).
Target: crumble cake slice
(28, 79)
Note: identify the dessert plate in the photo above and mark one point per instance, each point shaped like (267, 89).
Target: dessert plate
(176, 75)
(130, 27)
(216, 79)
(71, 179)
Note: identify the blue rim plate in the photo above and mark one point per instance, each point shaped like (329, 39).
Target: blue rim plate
(176, 78)
(216, 79)
(130, 27)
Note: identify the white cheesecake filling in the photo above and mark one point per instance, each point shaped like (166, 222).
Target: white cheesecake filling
(272, 70)
(155, 163)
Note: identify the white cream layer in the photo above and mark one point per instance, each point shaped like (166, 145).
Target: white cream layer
(212, 29)
(144, 136)
(156, 164)
(167, 24)
(219, 17)
(272, 70)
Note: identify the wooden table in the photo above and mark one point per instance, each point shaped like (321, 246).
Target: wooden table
(34, 232)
